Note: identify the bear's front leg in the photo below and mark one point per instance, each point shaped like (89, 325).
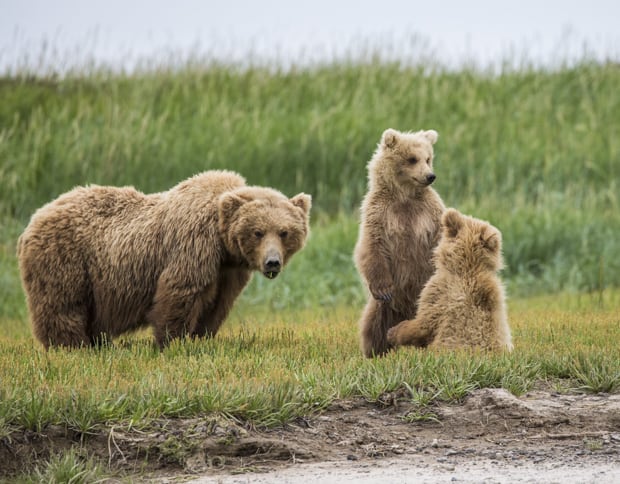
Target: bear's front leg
(409, 332)
(230, 284)
(381, 286)
(173, 312)
(375, 269)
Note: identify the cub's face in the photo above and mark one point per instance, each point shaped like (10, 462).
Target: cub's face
(408, 157)
(263, 228)
(468, 243)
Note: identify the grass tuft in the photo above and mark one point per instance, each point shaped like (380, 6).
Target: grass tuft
(69, 468)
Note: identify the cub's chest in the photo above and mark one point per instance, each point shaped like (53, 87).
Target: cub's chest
(409, 225)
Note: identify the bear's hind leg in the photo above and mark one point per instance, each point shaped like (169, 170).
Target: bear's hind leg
(376, 319)
(61, 327)
(57, 291)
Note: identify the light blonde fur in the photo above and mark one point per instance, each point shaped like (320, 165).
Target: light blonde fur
(463, 304)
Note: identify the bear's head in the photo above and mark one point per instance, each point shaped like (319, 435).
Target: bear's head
(261, 228)
(468, 244)
(404, 159)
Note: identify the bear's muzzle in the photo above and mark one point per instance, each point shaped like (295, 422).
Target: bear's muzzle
(272, 265)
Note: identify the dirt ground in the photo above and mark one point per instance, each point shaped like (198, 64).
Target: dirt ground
(491, 437)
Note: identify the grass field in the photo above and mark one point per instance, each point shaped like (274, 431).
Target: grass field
(269, 368)
(266, 369)
(535, 152)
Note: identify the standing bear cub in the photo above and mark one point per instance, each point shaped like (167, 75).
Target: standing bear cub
(463, 304)
(400, 221)
(100, 261)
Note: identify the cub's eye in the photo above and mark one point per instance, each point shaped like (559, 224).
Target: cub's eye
(258, 234)
(413, 160)
(283, 234)
(428, 161)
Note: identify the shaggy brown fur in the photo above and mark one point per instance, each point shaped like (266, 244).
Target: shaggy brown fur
(400, 218)
(100, 261)
(463, 304)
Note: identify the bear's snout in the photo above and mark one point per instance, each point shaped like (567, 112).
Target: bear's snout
(430, 178)
(272, 265)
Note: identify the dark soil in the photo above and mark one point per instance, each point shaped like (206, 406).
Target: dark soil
(490, 426)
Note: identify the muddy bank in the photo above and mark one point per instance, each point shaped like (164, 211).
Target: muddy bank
(491, 437)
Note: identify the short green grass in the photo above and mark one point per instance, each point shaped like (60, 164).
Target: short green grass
(268, 368)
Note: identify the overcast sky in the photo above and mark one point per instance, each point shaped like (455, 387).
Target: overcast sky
(114, 31)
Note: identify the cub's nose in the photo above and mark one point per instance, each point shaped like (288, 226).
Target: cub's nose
(430, 178)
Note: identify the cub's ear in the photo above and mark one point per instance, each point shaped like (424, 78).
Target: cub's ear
(431, 135)
(452, 221)
(228, 204)
(491, 239)
(302, 201)
(389, 139)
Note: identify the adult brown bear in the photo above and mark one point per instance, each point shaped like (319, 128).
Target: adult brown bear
(100, 261)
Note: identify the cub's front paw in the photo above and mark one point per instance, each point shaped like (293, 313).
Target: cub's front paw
(381, 290)
(392, 336)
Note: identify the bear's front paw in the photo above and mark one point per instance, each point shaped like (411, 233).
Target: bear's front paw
(392, 336)
(382, 291)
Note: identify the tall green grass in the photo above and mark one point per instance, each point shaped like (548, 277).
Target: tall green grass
(535, 151)
(514, 135)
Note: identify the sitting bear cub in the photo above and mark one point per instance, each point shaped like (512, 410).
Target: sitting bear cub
(463, 303)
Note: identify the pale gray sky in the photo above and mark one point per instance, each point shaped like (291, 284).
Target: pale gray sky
(483, 30)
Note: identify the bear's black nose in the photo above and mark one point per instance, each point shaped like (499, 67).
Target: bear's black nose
(272, 264)
(430, 178)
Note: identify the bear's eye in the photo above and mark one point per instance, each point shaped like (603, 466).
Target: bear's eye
(258, 234)
(283, 234)
(428, 161)
(413, 160)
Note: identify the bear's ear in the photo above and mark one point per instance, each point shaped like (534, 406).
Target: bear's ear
(302, 201)
(452, 222)
(389, 138)
(228, 204)
(491, 239)
(431, 135)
